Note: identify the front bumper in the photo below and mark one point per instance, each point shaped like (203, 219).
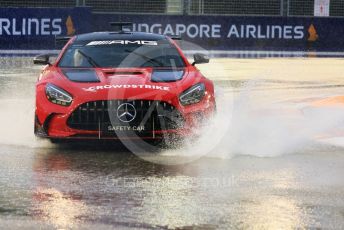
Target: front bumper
(53, 121)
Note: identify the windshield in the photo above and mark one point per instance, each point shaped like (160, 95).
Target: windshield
(103, 54)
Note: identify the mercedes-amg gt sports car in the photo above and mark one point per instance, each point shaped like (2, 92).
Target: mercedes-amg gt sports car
(114, 85)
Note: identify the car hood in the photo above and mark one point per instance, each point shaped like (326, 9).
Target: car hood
(133, 83)
(143, 75)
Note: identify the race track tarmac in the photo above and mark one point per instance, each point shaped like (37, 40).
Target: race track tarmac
(268, 160)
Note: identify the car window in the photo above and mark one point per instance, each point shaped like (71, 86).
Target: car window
(120, 55)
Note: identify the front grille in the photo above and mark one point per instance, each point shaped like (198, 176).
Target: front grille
(99, 115)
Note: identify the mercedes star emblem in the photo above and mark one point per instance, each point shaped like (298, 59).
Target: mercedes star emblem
(126, 112)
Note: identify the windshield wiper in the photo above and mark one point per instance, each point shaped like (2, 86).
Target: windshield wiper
(151, 60)
(88, 58)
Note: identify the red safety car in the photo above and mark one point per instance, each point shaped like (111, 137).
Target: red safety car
(121, 85)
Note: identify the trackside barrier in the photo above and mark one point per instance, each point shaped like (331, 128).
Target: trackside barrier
(36, 28)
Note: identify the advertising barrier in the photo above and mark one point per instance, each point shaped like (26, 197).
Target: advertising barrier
(36, 28)
(242, 33)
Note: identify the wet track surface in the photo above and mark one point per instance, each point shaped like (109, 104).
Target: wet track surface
(261, 179)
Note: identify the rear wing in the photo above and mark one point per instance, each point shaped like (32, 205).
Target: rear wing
(120, 26)
(61, 41)
(176, 37)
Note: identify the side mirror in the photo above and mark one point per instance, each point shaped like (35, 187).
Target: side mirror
(42, 60)
(200, 59)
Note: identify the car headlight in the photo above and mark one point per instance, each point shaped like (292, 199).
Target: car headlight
(57, 95)
(192, 95)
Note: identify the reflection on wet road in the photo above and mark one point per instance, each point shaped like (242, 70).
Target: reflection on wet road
(73, 187)
(105, 186)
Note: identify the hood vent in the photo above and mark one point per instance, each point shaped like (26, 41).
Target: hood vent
(81, 75)
(167, 75)
(111, 73)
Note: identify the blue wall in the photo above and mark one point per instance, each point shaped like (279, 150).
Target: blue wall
(244, 33)
(33, 28)
(36, 28)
